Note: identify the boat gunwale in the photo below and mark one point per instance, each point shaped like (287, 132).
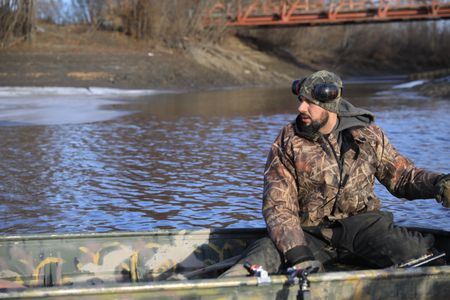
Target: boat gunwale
(149, 233)
(201, 284)
(167, 232)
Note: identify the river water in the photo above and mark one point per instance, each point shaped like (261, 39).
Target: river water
(89, 162)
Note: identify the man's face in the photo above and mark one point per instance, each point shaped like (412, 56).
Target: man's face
(312, 115)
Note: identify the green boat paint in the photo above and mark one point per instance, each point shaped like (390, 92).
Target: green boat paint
(141, 265)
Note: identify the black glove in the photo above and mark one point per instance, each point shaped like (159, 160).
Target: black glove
(312, 264)
(443, 191)
(301, 258)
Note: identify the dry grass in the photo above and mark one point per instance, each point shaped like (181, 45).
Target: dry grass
(89, 75)
(171, 23)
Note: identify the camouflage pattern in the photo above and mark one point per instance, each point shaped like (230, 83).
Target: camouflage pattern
(80, 259)
(443, 194)
(303, 185)
(52, 255)
(321, 77)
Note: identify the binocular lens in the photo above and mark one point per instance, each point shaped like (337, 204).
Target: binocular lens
(323, 92)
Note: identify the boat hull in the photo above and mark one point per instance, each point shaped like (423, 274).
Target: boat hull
(144, 265)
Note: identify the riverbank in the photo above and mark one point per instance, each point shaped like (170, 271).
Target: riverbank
(112, 60)
(70, 58)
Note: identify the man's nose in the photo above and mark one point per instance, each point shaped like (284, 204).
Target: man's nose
(303, 106)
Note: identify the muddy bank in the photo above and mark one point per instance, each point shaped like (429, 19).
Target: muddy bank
(195, 67)
(439, 88)
(122, 63)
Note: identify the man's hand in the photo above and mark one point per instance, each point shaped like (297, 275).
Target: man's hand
(310, 264)
(443, 191)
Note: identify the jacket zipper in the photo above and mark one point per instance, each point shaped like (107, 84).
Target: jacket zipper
(342, 181)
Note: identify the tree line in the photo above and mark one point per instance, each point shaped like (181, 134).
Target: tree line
(16, 20)
(414, 45)
(169, 21)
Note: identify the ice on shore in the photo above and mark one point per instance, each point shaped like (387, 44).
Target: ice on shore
(21, 106)
(97, 91)
(410, 84)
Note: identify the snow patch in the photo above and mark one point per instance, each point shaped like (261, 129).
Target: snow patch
(408, 85)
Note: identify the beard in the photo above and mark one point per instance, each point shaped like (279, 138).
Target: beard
(315, 125)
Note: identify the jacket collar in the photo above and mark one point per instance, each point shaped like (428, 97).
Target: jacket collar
(304, 132)
(357, 135)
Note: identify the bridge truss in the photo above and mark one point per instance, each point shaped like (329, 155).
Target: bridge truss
(312, 12)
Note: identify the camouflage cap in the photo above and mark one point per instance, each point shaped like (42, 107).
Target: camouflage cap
(321, 77)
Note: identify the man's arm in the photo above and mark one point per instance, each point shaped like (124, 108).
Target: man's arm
(399, 174)
(281, 206)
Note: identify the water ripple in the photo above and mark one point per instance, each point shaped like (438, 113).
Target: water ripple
(187, 161)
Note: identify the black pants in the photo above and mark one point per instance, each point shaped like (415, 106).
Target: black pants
(369, 240)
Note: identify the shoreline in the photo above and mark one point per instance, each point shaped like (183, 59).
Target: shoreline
(233, 64)
(439, 87)
(197, 67)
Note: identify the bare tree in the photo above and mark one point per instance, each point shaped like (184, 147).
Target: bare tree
(404, 45)
(16, 20)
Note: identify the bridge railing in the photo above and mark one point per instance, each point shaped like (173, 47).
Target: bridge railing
(290, 12)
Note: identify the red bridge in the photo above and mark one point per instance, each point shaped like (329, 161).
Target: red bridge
(310, 12)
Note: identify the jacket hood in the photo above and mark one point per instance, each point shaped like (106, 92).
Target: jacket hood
(349, 116)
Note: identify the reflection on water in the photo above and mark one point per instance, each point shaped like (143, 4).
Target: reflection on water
(190, 160)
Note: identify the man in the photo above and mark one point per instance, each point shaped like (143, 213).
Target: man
(319, 203)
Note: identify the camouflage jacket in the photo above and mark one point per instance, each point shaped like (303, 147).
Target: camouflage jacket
(308, 180)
